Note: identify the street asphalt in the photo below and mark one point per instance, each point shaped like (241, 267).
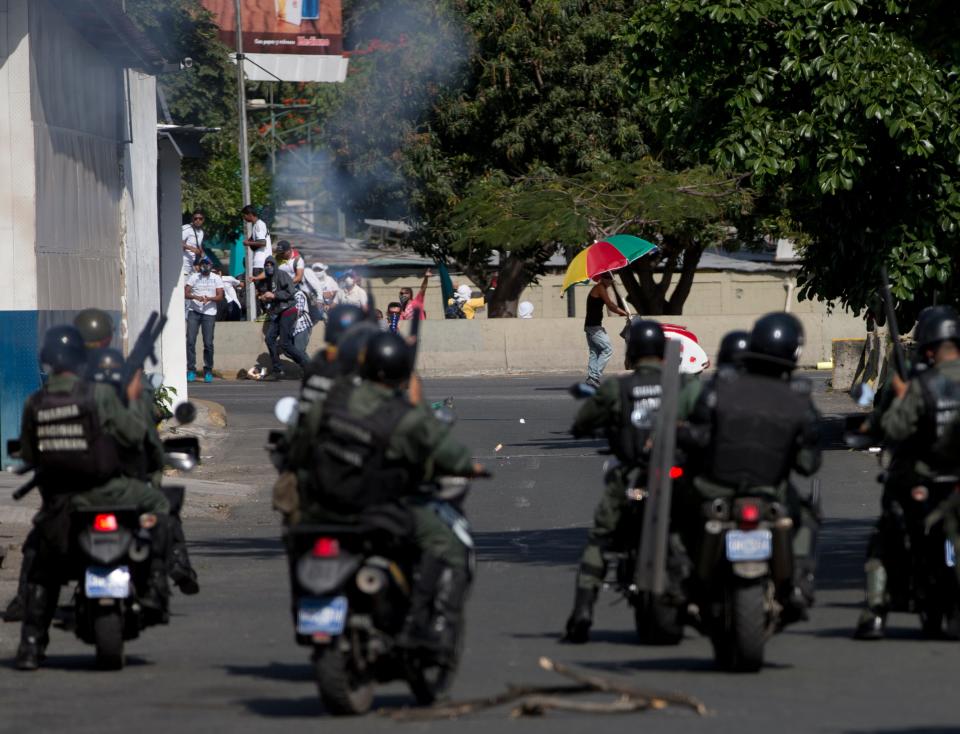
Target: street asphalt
(228, 661)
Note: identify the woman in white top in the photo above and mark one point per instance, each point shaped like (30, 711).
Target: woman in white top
(192, 236)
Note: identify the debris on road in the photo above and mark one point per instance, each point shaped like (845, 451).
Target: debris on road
(539, 700)
(498, 447)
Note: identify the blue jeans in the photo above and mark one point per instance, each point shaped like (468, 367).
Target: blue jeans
(279, 339)
(600, 351)
(195, 322)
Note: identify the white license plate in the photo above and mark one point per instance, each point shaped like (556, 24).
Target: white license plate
(323, 615)
(107, 583)
(949, 553)
(749, 545)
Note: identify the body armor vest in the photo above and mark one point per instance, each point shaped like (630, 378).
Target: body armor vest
(640, 398)
(757, 423)
(72, 451)
(351, 464)
(941, 397)
(317, 382)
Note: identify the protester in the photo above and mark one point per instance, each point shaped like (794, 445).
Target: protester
(411, 303)
(278, 296)
(289, 261)
(203, 291)
(230, 308)
(394, 314)
(525, 310)
(463, 305)
(350, 292)
(303, 327)
(192, 236)
(598, 342)
(259, 241)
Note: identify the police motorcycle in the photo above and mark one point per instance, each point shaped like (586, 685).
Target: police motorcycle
(109, 556)
(351, 588)
(918, 557)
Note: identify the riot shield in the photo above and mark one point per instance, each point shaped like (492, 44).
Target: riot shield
(651, 573)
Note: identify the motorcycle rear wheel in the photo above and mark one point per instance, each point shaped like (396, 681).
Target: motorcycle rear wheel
(108, 637)
(343, 691)
(749, 628)
(657, 623)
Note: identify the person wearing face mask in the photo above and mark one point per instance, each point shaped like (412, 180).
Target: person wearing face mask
(410, 304)
(351, 294)
(203, 291)
(278, 296)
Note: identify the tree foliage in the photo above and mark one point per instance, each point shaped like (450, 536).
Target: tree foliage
(846, 114)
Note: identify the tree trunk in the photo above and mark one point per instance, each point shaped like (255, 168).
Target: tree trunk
(691, 258)
(648, 295)
(511, 281)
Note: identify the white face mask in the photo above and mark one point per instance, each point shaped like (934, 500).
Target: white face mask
(348, 282)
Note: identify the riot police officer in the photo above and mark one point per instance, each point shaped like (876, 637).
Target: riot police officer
(916, 422)
(750, 428)
(75, 434)
(733, 346)
(400, 445)
(625, 409)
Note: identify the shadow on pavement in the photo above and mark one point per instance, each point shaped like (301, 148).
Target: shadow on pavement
(311, 707)
(86, 663)
(274, 671)
(907, 730)
(677, 664)
(558, 546)
(253, 548)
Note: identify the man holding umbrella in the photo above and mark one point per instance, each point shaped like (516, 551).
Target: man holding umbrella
(598, 341)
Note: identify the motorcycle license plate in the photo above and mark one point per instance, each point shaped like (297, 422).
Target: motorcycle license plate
(949, 553)
(322, 615)
(107, 583)
(749, 545)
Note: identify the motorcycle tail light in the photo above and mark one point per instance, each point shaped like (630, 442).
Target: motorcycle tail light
(676, 472)
(105, 523)
(920, 493)
(326, 548)
(749, 515)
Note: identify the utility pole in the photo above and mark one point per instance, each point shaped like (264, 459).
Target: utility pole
(245, 165)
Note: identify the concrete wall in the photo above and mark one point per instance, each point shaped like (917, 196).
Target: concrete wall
(712, 293)
(173, 354)
(503, 346)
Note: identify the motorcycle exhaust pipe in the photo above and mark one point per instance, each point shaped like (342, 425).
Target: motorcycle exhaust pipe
(371, 580)
(781, 565)
(710, 549)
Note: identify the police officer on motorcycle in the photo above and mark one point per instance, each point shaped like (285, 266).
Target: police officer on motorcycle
(374, 449)
(749, 429)
(917, 420)
(625, 409)
(77, 436)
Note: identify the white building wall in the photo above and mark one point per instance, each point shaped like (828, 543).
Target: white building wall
(174, 338)
(18, 277)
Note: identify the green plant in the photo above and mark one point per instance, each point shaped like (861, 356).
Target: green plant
(163, 401)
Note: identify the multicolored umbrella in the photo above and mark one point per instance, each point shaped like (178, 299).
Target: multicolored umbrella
(605, 256)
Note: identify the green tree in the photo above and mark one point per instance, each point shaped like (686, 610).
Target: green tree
(844, 112)
(525, 220)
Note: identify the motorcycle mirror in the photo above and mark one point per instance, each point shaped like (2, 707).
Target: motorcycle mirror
(180, 460)
(287, 410)
(155, 379)
(185, 413)
(582, 390)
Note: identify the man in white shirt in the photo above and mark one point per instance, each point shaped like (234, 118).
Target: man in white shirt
(351, 293)
(192, 236)
(290, 262)
(204, 290)
(258, 242)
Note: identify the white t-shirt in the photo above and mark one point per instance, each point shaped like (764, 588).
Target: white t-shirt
(328, 284)
(356, 296)
(230, 289)
(260, 233)
(201, 285)
(290, 266)
(193, 237)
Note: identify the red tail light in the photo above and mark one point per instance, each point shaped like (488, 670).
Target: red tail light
(749, 515)
(105, 523)
(326, 548)
(676, 472)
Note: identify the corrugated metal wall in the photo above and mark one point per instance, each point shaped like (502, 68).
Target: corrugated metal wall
(78, 105)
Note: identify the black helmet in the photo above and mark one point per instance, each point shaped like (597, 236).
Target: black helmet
(95, 326)
(733, 344)
(63, 350)
(935, 325)
(339, 319)
(106, 365)
(646, 339)
(778, 339)
(352, 344)
(387, 359)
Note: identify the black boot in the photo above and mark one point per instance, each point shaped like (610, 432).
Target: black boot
(871, 624)
(14, 610)
(581, 619)
(447, 624)
(181, 571)
(873, 619)
(416, 630)
(40, 603)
